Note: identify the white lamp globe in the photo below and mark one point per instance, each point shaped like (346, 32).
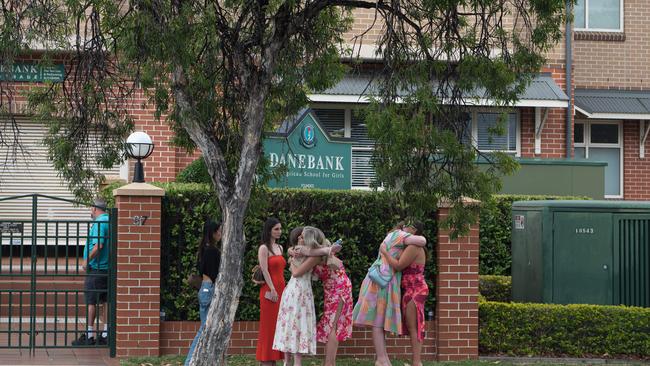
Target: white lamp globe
(139, 145)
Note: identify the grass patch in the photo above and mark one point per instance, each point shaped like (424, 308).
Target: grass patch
(176, 360)
(316, 361)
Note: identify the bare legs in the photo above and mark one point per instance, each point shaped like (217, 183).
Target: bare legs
(267, 363)
(379, 340)
(332, 341)
(297, 359)
(412, 325)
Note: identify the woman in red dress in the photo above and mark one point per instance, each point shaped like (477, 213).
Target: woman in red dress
(272, 264)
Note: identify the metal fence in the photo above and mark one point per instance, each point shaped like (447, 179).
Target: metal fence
(42, 293)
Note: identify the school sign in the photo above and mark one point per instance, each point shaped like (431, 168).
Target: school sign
(29, 72)
(313, 159)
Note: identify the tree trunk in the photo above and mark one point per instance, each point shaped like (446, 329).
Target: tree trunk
(213, 343)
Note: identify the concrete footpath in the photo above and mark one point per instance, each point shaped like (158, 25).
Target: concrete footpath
(61, 357)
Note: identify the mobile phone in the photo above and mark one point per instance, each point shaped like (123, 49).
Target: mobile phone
(338, 242)
(267, 295)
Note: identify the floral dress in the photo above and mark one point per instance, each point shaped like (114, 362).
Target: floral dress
(295, 330)
(380, 307)
(415, 289)
(337, 288)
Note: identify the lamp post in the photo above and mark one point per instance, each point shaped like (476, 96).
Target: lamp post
(139, 146)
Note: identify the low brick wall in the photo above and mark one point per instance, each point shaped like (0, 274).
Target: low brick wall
(176, 337)
(452, 336)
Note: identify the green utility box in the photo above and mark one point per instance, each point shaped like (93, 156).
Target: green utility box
(581, 252)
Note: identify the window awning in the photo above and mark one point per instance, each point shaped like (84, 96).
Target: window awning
(613, 104)
(542, 92)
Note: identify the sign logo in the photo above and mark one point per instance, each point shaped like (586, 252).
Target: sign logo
(308, 136)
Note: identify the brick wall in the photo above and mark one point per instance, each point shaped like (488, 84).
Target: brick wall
(553, 135)
(166, 160)
(619, 64)
(457, 294)
(176, 337)
(636, 170)
(364, 23)
(138, 270)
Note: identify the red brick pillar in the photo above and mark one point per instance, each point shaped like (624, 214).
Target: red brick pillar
(457, 294)
(138, 269)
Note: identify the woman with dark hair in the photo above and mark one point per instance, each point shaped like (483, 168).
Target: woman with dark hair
(208, 258)
(272, 264)
(379, 307)
(414, 290)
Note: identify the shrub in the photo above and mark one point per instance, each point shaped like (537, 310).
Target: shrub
(360, 218)
(495, 232)
(495, 288)
(195, 172)
(564, 330)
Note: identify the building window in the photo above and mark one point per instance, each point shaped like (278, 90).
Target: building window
(486, 141)
(332, 120)
(601, 141)
(343, 121)
(598, 15)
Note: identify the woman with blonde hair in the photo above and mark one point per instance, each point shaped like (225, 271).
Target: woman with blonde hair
(295, 331)
(336, 323)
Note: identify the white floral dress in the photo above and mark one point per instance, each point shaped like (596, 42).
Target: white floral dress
(295, 330)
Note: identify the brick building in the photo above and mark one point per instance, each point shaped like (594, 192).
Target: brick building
(607, 112)
(557, 129)
(604, 121)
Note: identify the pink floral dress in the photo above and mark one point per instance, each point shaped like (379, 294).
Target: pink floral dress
(414, 288)
(337, 287)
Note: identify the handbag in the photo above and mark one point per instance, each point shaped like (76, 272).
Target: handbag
(375, 273)
(378, 277)
(194, 280)
(256, 274)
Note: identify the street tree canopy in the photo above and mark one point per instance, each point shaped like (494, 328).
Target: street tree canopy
(223, 72)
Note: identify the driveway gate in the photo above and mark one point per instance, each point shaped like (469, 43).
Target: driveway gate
(42, 301)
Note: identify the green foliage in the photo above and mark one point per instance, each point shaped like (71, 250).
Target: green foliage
(107, 192)
(361, 219)
(495, 231)
(195, 172)
(564, 330)
(420, 117)
(495, 288)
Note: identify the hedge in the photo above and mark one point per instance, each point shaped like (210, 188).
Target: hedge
(195, 172)
(360, 218)
(495, 231)
(495, 288)
(495, 218)
(564, 330)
